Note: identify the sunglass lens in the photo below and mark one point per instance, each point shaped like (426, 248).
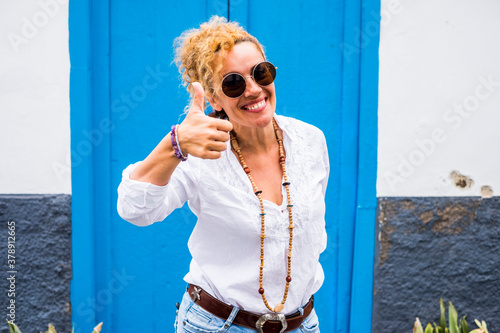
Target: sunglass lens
(265, 73)
(233, 85)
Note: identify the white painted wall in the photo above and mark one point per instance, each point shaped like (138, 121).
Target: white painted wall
(434, 55)
(34, 97)
(439, 97)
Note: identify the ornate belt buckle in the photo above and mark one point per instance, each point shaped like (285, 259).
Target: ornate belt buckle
(275, 316)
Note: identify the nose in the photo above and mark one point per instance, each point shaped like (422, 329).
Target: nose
(252, 87)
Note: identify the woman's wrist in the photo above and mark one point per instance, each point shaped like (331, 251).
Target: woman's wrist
(174, 138)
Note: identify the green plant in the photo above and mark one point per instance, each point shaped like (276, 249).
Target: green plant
(14, 329)
(454, 325)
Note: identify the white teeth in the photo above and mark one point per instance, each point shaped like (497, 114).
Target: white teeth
(258, 105)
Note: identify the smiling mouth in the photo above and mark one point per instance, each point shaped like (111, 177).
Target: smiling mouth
(255, 106)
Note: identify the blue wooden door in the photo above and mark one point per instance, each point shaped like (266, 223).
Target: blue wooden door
(125, 94)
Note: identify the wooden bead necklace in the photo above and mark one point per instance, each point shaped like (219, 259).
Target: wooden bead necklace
(258, 193)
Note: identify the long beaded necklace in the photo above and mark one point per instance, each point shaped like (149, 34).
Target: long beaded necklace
(258, 193)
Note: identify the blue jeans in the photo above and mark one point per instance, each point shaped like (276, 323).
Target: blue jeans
(191, 318)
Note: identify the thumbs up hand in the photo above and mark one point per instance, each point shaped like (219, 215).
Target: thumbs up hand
(200, 135)
(198, 100)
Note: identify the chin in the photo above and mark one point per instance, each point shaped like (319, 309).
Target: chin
(262, 120)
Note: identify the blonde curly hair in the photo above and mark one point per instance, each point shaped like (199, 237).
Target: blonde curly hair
(198, 53)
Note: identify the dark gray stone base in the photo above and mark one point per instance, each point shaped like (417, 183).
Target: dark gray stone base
(42, 261)
(430, 247)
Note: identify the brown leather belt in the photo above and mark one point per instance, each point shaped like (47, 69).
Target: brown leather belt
(272, 323)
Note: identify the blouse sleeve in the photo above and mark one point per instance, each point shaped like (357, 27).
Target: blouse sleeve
(324, 183)
(326, 162)
(144, 203)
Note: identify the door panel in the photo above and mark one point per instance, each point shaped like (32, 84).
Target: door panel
(127, 90)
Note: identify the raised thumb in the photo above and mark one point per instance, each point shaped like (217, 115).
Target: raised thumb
(199, 98)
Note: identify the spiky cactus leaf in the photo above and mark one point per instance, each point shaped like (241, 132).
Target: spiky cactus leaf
(465, 326)
(482, 327)
(429, 329)
(97, 329)
(51, 329)
(479, 330)
(442, 320)
(13, 327)
(417, 327)
(452, 318)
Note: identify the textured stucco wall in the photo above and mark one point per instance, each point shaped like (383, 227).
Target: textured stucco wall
(436, 247)
(35, 162)
(437, 173)
(42, 261)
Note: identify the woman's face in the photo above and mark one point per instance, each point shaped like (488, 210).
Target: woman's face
(255, 108)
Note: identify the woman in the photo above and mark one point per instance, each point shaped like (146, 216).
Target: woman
(255, 180)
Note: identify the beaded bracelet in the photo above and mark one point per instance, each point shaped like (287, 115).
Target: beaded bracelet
(175, 143)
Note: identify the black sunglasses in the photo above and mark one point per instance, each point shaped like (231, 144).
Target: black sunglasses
(234, 84)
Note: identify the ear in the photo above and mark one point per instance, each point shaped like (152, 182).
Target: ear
(213, 103)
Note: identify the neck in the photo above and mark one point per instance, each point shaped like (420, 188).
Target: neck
(254, 139)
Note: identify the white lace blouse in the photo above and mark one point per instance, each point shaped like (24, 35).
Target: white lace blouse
(225, 243)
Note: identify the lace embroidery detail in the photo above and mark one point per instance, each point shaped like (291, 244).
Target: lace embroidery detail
(302, 155)
(234, 180)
